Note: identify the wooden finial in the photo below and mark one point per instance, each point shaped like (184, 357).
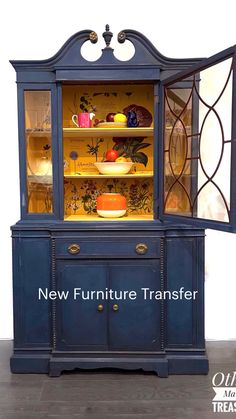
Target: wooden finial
(107, 35)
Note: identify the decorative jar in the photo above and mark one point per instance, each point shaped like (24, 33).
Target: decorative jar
(111, 205)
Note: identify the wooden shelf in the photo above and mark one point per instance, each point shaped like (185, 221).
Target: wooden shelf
(170, 127)
(97, 132)
(176, 211)
(177, 175)
(43, 179)
(95, 217)
(39, 134)
(108, 132)
(144, 174)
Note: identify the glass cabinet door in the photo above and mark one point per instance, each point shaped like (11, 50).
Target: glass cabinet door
(38, 143)
(199, 147)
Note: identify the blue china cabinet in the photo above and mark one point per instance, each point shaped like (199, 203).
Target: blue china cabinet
(128, 292)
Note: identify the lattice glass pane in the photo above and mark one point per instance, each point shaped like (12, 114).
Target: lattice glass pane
(211, 204)
(178, 127)
(203, 152)
(213, 80)
(211, 142)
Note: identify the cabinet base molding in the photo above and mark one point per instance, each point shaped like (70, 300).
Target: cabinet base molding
(160, 366)
(29, 364)
(163, 366)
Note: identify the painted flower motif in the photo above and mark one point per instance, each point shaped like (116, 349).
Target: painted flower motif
(93, 149)
(46, 147)
(74, 155)
(130, 147)
(66, 164)
(119, 140)
(139, 198)
(73, 206)
(73, 202)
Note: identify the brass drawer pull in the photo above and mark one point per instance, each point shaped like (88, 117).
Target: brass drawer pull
(100, 307)
(115, 307)
(74, 248)
(141, 248)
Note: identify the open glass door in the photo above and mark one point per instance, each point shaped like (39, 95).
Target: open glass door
(199, 147)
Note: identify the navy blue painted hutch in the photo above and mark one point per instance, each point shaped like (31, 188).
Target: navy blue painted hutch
(62, 248)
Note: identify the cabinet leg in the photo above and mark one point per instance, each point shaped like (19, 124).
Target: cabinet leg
(162, 374)
(54, 372)
(162, 371)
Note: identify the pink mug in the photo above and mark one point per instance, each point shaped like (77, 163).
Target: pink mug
(83, 119)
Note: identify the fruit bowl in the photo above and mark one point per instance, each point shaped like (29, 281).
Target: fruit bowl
(114, 168)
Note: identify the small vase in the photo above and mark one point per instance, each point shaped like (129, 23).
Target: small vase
(111, 205)
(132, 121)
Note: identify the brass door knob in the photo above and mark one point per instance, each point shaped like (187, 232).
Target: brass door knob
(115, 307)
(74, 248)
(141, 248)
(100, 307)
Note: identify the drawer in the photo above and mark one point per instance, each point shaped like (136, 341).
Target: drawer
(103, 247)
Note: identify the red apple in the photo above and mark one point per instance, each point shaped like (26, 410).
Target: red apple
(112, 155)
(110, 117)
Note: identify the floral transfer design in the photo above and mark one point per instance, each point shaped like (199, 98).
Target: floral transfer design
(72, 205)
(140, 199)
(89, 194)
(81, 195)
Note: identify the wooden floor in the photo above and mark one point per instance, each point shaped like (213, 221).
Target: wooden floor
(112, 394)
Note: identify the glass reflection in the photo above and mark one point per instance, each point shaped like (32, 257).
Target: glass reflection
(38, 151)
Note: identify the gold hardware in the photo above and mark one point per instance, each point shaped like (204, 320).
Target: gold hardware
(141, 248)
(115, 307)
(93, 37)
(100, 307)
(74, 249)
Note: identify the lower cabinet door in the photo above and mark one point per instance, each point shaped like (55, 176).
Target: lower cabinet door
(107, 305)
(81, 323)
(134, 324)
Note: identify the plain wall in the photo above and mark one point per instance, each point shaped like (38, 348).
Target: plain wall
(36, 30)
